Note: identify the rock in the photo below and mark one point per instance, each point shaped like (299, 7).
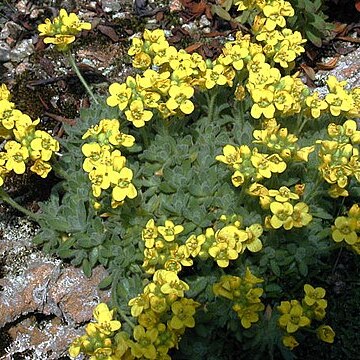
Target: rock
(22, 50)
(10, 29)
(347, 68)
(43, 302)
(111, 6)
(45, 287)
(47, 339)
(4, 52)
(75, 295)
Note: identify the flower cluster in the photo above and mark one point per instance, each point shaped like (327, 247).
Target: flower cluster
(280, 141)
(105, 163)
(231, 240)
(285, 211)
(339, 158)
(62, 30)
(166, 85)
(163, 314)
(295, 315)
(24, 144)
(251, 165)
(245, 295)
(347, 228)
(98, 342)
(162, 250)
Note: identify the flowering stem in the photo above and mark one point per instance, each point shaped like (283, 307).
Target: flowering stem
(302, 125)
(211, 106)
(116, 303)
(79, 75)
(6, 198)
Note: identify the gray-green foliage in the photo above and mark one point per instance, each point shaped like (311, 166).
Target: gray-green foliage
(178, 178)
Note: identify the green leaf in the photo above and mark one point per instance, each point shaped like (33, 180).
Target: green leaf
(221, 12)
(105, 283)
(275, 288)
(86, 267)
(318, 212)
(303, 268)
(166, 188)
(275, 268)
(65, 253)
(313, 38)
(197, 286)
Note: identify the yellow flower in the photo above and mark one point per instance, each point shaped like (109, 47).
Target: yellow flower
(249, 238)
(344, 229)
(169, 231)
(179, 98)
(137, 115)
(61, 41)
(17, 155)
(283, 100)
(62, 30)
(99, 180)
(232, 156)
(144, 345)
(183, 312)
(104, 318)
(248, 314)
(123, 186)
(282, 215)
(120, 95)
(139, 304)
(41, 168)
(136, 46)
(45, 144)
(284, 194)
(273, 17)
(222, 253)
(75, 347)
(149, 233)
(170, 284)
(262, 164)
(303, 153)
(300, 216)
(263, 104)
(325, 333)
(290, 342)
(141, 61)
(284, 56)
(94, 155)
(237, 178)
(315, 104)
(350, 130)
(339, 102)
(292, 317)
(314, 296)
(193, 244)
(4, 92)
(215, 76)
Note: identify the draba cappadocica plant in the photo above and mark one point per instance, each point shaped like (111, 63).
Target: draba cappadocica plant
(213, 192)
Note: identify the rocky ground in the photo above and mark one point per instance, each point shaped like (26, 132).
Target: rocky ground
(40, 295)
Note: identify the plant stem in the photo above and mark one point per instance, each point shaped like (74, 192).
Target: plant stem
(6, 198)
(125, 317)
(78, 73)
(211, 106)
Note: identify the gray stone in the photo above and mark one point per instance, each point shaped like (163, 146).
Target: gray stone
(4, 52)
(111, 6)
(22, 50)
(11, 29)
